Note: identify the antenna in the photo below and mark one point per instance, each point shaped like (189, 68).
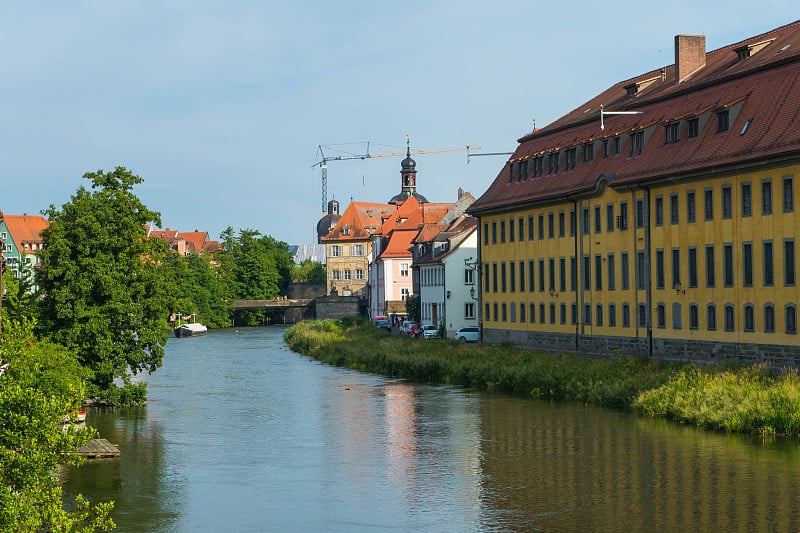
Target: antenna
(603, 113)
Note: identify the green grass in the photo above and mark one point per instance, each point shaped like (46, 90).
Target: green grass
(722, 397)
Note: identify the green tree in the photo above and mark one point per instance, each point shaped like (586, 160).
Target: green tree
(18, 301)
(106, 297)
(309, 271)
(41, 383)
(413, 308)
(198, 289)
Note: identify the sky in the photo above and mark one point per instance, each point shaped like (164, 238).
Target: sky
(221, 107)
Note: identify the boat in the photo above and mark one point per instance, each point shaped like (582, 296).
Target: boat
(191, 330)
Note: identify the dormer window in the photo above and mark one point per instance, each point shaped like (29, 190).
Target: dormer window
(637, 143)
(743, 52)
(723, 121)
(631, 89)
(553, 163)
(672, 133)
(346, 230)
(538, 166)
(571, 158)
(588, 152)
(692, 127)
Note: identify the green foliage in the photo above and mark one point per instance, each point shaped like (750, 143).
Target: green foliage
(309, 271)
(18, 302)
(733, 399)
(413, 308)
(198, 290)
(43, 383)
(106, 293)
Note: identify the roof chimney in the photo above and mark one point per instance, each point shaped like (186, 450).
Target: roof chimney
(690, 55)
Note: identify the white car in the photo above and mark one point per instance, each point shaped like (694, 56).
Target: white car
(429, 331)
(468, 334)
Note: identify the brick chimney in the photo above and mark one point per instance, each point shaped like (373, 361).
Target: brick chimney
(690, 55)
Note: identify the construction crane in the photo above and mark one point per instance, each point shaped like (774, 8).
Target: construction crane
(324, 159)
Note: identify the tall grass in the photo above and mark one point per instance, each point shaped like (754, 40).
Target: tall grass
(721, 397)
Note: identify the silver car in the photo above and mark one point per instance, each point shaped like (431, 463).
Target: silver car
(429, 331)
(468, 334)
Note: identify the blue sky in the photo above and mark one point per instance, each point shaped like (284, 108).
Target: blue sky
(221, 106)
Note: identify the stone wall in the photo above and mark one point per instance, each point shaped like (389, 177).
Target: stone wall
(338, 307)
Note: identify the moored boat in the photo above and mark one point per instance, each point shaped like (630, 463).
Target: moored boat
(190, 330)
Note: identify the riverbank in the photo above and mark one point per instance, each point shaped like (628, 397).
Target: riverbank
(732, 398)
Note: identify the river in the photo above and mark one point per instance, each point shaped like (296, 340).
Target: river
(242, 435)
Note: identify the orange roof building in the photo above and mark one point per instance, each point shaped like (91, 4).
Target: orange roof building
(22, 240)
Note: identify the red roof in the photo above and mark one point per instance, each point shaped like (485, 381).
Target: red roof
(761, 93)
(25, 228)
(359, 221)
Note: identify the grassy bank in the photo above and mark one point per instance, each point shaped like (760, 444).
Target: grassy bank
(721, 397)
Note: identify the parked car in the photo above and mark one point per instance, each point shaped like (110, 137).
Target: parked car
(405, 326)
(429, 331)
(468, 334)
(414, 331)
(383, 324)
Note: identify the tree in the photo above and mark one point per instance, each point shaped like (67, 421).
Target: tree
(105, 293)
(39, 384)
(309, 271)
(198, 289)
(18, 301)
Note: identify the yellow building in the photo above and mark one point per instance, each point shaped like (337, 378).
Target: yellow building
(658, 218)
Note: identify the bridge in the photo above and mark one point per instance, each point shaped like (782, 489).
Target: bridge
(278, 303)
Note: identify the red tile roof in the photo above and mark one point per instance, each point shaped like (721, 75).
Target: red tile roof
(361, 220)
(763, 89)
(25, 228)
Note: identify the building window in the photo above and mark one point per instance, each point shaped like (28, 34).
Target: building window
(747, 264)
(522, 276)
(552, 313)
(730, 324)
(727, 202)
(530, 275)
(612, 315)
(587, 314)
(551, 230)
(769, 264)
(573, 274)
(469, 276)
(617, 145)
(723, 121)
(676, 268)
(357, 250)
(495, 313)
(710, 266)
(642, 314)
(504, 311)
(708, 204)
(661, 316)
(585, 217)
(791, 319)
(641, 271)
(625, 272)
(522, 312)
(494, 232)
(640, 213)
(572, 223)
(659, 269)
(598, 272)
(749, 317)
(587, 275)
(788, 194)
(502, 231)
(691, 208)
(562, 225)
(502, 276)
(637, 143)
(769, 318)
(611, 272)
(532, 314)
(486, 233)
(747, 200)
(673, 208)
(626, 315)
(597, 219)
(659, 210)
(538, 166)
(766, 197)
(360, 273)
(692, 267)
(562, 313)
(711, 317)
(572, 156)
(513, 312)
(692, 128)
(541, 227)
(694, 319)
(598, 315)
(727, 265)
(622, 219)
(486, 279)
(542, 318)
(552, 163)
(671, 133)
(788, 263)
(403, 270)
(677, 321)
(531, 232)
(404, 293)
(552, 271)
(588, 152)
(573, 314)
(521, 229)
(348, 274)
(562, 279)
(336, 251)
(610, 218)
(469, 310)
(541, 275)
(512, 276)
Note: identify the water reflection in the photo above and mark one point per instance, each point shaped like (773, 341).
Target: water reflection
(243, 435)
